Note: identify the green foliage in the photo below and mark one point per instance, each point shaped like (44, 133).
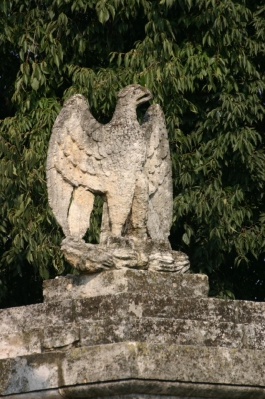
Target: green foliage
(204, 62)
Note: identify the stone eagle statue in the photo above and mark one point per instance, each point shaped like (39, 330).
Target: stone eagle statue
(126, 163)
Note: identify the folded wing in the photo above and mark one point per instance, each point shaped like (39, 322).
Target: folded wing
(74, 160)
(158, 171)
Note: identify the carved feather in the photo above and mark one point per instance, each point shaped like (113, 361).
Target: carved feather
(73, 156)
(158, 172)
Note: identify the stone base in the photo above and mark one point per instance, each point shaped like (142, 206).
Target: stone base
(132, 334)
(136, 370)
(126, 283)
(120, 252)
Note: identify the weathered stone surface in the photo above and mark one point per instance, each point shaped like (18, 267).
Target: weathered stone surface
(250, 312)
(166, 331)
(60, 336)
(145, 330)
(130, 360)
(30, 373)
(29, 317)
(204, 364)
(124, 253)
(129, 165)
(20, 343)
(155, 305)
(131, 281)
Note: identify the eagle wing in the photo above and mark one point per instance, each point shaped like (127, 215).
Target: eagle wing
(159, 173)
(75, 158)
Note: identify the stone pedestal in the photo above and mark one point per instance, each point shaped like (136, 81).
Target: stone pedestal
(132, 334)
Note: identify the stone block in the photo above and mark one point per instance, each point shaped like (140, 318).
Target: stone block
(162, 330)
(126, 280)
(254, 336)
(155, 305)
(30, 373)
(204, 364)
(259, 336)
(35, 316)
(20, 343)
(164, 362)
(250, 312)
(100, 363)
(60, 336)
(133, 360)
(209, 309)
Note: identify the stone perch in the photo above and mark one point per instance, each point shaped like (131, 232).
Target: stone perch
(129, 166)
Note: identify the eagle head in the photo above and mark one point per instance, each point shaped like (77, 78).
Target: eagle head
(135, 94)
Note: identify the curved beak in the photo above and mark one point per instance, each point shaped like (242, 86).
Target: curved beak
(147, 95)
